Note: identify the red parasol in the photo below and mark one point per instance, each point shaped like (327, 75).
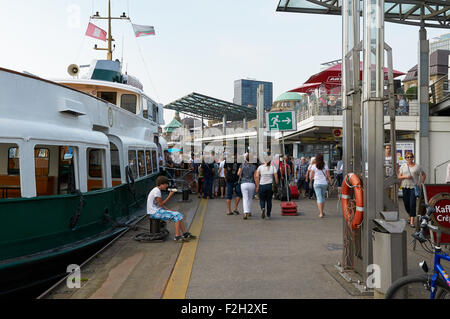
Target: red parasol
(309, 87)
(334, 73)
(330, 78)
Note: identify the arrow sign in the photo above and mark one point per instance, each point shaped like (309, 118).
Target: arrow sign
(287, 121)
(281, 121)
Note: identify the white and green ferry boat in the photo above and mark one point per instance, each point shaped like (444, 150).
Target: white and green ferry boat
(77, 160)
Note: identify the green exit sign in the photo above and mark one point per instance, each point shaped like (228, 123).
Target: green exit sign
(281, 121)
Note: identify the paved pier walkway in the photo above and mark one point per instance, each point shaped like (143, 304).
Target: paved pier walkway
(285, 257)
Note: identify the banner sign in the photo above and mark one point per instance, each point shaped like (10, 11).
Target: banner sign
(439, 195)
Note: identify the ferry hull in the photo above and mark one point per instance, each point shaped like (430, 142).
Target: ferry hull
(55, 231)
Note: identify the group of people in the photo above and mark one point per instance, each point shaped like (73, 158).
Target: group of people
(245, 180)
(248, 180)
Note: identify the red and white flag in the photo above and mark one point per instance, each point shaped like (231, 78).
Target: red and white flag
(95, 32)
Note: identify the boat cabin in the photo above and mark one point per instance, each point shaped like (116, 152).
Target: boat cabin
(64, 139)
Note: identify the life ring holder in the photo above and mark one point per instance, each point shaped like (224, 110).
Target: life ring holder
(353, 214)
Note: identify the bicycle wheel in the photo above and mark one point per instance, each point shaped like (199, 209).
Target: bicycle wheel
(417, 287)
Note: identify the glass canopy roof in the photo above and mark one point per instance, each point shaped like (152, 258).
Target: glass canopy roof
(436, 12)
(198, 105)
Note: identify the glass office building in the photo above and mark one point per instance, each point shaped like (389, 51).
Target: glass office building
(245, 93)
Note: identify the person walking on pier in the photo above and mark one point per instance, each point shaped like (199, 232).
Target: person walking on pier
(208, 174)
(310, 180)
(157, 210)
(411, 175)
(231, 179)
(321, 176)
(339, 175)
(222, 183)
(264, 178)
(247, 176)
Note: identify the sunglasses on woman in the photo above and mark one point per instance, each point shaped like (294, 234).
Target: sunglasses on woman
(409, 157)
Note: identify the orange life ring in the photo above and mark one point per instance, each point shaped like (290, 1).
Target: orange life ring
(355, 218)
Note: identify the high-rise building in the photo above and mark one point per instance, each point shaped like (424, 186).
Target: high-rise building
(245, 93)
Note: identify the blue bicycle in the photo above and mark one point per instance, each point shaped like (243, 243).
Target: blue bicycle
(424, 286)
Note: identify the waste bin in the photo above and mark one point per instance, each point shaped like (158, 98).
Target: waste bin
(389, 250)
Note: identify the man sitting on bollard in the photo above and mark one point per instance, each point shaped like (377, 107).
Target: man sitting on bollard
(157, 210)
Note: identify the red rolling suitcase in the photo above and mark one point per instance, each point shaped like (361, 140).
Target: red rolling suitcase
(294, 191)
(288, 209)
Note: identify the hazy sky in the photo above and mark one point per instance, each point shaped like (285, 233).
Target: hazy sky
(200, 46)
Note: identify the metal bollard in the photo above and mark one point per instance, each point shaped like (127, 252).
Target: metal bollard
(185, 194)
(155, 226)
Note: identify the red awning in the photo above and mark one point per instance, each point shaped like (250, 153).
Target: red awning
(310, 87)
(330, 79)
(334, 73)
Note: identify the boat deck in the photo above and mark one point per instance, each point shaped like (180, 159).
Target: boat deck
(285, 257)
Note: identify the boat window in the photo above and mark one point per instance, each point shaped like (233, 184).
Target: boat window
(150, 110)
(66, 170)
(9, 171)
(115, 162)
(128, 102)
(148, 161)
(13, 161)
(145, 108)
(111, 97)
(41, 161)
(141, 163)
(95, 162)
(154, 161)
(132, 162)
(155, 114)
(95, 165)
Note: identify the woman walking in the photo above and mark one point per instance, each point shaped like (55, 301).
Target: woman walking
(247, 177)
(309, 179)
(264, 177)
(410, 174)
(321, 176)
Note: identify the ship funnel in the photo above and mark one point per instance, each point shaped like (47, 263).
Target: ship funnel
(73, 69)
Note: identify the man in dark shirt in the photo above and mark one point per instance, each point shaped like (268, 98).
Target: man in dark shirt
(232, 181)
(208, 175)
(171, 165)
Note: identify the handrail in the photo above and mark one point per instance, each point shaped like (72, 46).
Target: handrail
(436, 167)
(438, 94)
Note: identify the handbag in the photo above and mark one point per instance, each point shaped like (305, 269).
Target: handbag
(417, 188)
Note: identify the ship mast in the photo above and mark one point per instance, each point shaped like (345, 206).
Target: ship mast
(110, 38)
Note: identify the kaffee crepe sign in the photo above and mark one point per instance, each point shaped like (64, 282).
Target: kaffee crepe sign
(438, 196)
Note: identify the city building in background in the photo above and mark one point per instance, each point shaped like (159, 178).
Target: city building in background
(442, 44)
(439, 88)
(245, 92)
(289, 101)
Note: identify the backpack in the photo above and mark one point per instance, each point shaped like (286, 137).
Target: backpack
(282, 192)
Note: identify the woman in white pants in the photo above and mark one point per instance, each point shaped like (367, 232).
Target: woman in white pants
(247, 177)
